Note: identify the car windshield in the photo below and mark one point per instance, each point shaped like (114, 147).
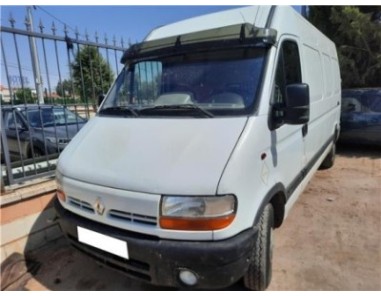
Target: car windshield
(55, 116)
(207, 84)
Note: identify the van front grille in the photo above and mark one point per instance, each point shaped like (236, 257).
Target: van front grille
(132, 217)
(80, 204)
(114, 214)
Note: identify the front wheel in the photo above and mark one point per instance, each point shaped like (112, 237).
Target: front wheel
(258, 275)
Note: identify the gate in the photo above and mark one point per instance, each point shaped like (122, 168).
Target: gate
(68, 74)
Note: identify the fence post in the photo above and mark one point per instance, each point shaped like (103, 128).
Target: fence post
(20, 159)
(35, 61)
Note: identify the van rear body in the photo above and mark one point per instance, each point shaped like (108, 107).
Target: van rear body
(202, 145)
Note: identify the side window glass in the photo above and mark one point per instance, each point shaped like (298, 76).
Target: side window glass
(279, 87)
(8, 119)
(288, 71)
(12, 120)
(291, 63)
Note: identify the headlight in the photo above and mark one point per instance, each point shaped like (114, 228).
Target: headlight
(54, 140)
(197, 212)
(51, 139)
(60, 193)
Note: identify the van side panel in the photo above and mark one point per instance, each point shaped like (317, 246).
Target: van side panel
(291, 159)
(325, 103)
(320, 71)
(249, 176)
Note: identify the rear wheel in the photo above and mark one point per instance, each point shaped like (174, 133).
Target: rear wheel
(258, 275)
(329, 160)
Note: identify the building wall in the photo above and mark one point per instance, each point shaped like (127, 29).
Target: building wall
(27, 219)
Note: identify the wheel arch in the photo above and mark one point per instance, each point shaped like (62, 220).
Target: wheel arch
(36, 145)
(336, 133)
(277, 197)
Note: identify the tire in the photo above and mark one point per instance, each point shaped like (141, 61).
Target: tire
(36, 153)
(258, 275)
(329, 160)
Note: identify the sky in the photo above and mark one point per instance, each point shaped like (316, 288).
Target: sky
(130, 23)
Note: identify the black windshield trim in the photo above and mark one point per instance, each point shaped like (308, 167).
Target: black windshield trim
(231, 36)
(118, 110)
(191, 48)
(181, 107)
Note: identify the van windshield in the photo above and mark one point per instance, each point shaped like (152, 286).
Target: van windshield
(207, 84)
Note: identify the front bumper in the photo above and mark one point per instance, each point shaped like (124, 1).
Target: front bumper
(218, 264)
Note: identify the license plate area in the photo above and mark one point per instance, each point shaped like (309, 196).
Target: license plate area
(103, 242)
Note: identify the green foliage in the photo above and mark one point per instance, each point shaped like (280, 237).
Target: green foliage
(63, 101)
(97, 74)
(24, 95)
(357, 35)
(65, 88)
(20, 96)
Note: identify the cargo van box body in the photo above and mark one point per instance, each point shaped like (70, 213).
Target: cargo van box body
(204, 142)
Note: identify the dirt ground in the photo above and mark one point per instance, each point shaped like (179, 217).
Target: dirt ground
(330, 241)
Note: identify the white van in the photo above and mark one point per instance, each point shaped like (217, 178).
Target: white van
(202, 145)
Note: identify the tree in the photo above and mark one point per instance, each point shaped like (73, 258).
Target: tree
(23, 96)
(356, 31)
(65, 88)
(96, 73)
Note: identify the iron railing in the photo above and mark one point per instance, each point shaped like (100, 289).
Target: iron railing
(69, 73)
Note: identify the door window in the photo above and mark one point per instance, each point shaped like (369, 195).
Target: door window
(288, 71)
(12, 120)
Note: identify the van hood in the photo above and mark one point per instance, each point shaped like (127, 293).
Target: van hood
(152, 155)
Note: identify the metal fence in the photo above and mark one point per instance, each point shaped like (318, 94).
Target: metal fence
(50, 86)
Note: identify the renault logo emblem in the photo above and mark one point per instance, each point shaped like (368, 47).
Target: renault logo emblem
(99, 207)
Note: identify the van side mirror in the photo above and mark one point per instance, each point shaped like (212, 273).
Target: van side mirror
(297, 110)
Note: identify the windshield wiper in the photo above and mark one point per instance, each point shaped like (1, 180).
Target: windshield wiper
(180, 107)
(119, 110)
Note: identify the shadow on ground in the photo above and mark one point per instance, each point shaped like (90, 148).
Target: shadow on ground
(359, 150)
(57, 266)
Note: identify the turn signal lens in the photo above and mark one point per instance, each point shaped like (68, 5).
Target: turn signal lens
(61, 195)
(201, 224)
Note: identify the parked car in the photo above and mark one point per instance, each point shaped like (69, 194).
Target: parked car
(37, 130)
(361, 116)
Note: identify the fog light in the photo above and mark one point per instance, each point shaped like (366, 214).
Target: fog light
(188, 277)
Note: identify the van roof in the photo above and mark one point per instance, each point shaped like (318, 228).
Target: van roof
(256, 15)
